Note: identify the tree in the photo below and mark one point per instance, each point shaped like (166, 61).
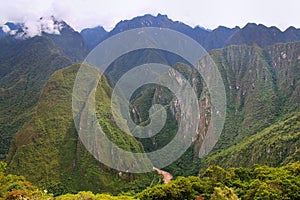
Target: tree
(225, 193)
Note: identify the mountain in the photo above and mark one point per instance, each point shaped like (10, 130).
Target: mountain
(8, 28)
(262, 35)
(25, 66)
(70, 42)
(24, 69)
(162, 21)
(218, 38)
(64, 36)
(93, 36)
(292, 34)
(262, 86)
(55, 157)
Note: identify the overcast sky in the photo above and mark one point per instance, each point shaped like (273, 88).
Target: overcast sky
(209, 14)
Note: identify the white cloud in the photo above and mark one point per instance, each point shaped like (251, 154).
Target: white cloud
(49, 26)
(13, 32)
(5, 28)
(31, 28)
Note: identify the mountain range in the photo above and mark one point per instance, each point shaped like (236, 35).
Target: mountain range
(209, 39)
(260, 67)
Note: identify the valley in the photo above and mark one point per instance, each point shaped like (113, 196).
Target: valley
(256, 157)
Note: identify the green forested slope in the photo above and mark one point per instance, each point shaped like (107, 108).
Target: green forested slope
(24, 69)
(274, 146)
(49, 153)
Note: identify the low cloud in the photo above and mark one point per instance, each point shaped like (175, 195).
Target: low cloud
(33, 28)
(5, 28)
(44, 25)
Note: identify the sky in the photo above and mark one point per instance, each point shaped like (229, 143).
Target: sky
(107, 13)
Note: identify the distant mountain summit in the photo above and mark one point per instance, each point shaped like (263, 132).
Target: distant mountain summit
(93, 36)
(97, 34)
(262, 35)
(209, 39)
(218, 37)
(63, 35)
(162, 21)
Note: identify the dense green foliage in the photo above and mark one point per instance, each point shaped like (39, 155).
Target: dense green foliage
(258, 182)
(49, 153)
(24, 69)
(215, 183)
(91, 196)
(274, 146)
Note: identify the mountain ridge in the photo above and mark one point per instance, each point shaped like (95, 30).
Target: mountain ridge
(210, 39)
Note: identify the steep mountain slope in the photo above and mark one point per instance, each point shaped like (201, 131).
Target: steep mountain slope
(49, 152)
(25, 66)
(274, 146)
(93, 36)
(262, 85)
(279, 143)
(70, 42)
